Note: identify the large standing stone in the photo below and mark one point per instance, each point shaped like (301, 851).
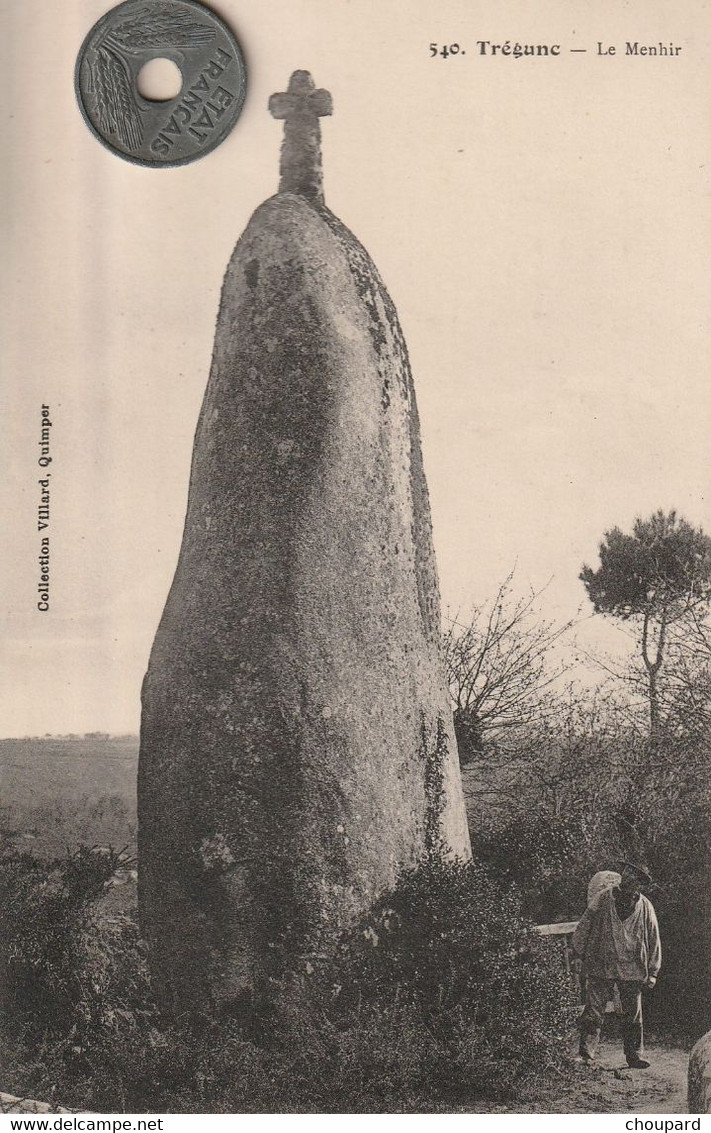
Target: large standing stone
(297, 748)
(699, 1081)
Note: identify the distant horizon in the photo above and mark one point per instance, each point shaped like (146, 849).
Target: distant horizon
(93, 735)
(586, 653)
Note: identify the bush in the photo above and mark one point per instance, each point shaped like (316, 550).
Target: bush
(674, 820)
(61, 968)
(73, 984)
(451, 948)
(442, 994)
(550, 859)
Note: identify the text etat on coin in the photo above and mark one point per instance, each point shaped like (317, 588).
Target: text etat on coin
(177, 130)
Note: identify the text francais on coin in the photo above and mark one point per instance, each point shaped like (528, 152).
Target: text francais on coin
(174, 131)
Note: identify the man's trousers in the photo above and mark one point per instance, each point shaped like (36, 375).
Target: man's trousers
(598, 992)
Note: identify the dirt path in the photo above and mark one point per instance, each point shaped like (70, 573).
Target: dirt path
(611, 1087)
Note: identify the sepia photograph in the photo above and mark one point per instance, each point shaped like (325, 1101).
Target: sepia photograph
(356, 644)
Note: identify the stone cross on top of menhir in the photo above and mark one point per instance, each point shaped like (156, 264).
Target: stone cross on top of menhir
(300, 108)
(297, 743)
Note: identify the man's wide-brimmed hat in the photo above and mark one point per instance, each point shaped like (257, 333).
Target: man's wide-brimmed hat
(640, 871)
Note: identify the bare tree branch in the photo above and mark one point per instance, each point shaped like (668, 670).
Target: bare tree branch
(500, 669)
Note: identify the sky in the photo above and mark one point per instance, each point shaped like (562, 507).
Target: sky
(542, 224)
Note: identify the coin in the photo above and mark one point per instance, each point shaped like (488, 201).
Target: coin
(177, 130)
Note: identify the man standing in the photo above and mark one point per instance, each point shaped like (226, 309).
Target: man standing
(618, 939)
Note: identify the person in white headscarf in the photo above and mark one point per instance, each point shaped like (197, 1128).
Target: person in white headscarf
(618, 939)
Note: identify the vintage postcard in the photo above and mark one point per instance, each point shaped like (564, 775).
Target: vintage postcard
(356, 662)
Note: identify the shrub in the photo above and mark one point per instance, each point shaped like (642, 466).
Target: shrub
(676, 828)
(450, 948)
(60, 967)
(73, 984)
(550, 858)
(442, 994)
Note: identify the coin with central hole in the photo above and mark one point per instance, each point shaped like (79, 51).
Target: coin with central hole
(132, 111)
